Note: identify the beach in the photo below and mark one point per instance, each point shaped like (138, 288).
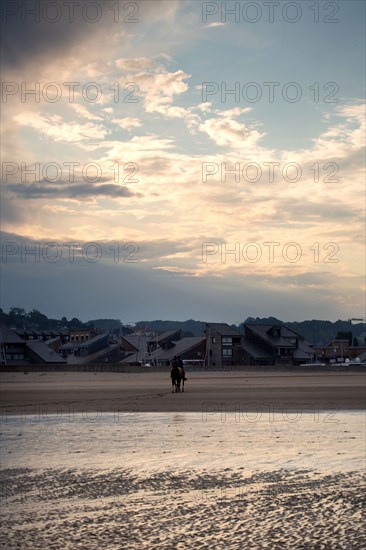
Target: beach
(84, 469)
(53, 392)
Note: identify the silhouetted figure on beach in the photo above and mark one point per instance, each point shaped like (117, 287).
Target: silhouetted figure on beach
(182, 372)
(175, 374)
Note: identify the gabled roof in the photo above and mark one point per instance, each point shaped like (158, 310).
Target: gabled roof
(68, 345)
(46, 354)
(137, 341)
(126, 345)
(165, 336)
(265, 333)
(222, 328)
(85, 359)
(8, 336)
(255, 351)
(179, 348)
(51, 341)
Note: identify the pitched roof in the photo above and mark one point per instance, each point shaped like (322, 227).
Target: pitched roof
(179, 348)
(167, 334)
(263, 331)
(85, 359)
(255, 351)
(45, 353)
(8, 336)
(223, 328)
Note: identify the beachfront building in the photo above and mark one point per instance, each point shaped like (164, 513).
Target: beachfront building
(164, 341)
(337, 351)
(94, 350)
(82, 335)
(19, 351)
(43, 335)
(274, 344)
(223, 346)
(191, 350)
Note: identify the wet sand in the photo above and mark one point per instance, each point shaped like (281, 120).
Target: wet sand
(181, 509)
(204, 391)
(180, 480)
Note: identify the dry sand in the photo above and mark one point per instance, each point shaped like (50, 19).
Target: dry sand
(204, 391)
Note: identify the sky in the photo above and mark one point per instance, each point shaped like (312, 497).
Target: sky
(183, 159)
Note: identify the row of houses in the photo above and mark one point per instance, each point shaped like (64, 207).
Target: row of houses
(221, 346)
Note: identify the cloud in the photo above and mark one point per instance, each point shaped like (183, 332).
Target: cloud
(127, 123)
(76, 191)
(83, 112)
(227, 132)
(133, 64)
(54, 127)
(159, 90)
(216, 24)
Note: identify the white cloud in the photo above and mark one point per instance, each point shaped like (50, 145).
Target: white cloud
(127, 123)
(227, 132)
(216, 24)
(54, 127)
(83, 112)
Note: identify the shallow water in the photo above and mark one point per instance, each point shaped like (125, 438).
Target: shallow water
(258, 480)
(325, 441)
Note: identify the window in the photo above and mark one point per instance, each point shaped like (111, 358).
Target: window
(227, 341)
(227, 352)
(213, 339)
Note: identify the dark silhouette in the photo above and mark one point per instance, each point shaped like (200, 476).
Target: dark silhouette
(175, 374)
(182, 372)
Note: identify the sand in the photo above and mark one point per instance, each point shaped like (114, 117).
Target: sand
(226, 391)
(239, 461)
(182, 510)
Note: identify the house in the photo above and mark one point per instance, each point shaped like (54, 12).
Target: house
(165, 341)
(18, 351)
(146, 343)
(82, 335)
(13, 349)
(43, 335)
(40, 353)
(223, 345)
(336, 351)
(191, 350)
(97, 349)
(274, 344)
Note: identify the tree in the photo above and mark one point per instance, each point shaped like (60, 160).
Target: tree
(38, 318)
(17, 316)
(75, 323)
(344, 335)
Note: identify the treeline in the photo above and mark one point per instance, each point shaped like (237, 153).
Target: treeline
(314, 332)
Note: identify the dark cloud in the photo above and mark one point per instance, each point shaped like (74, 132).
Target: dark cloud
(28, 38)
(82, 190)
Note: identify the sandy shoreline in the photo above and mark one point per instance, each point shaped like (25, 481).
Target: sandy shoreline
(204, 391)
(184, 480)
(181, 509)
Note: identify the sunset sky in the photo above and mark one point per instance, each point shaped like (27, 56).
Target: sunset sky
(123, 108)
